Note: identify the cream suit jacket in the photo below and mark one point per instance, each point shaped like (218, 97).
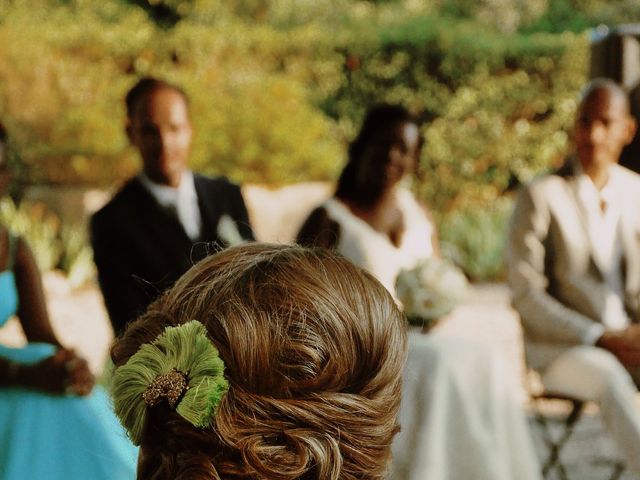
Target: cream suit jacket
(556, 284)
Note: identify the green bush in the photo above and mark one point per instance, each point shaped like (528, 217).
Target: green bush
(475, 239)
(76, 259)
(496, 107)
(54, 246)
(38, 226)
(273, 101)
(277, 88)
(64, 79)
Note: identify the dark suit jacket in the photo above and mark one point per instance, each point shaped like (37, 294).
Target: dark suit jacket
(141, 249)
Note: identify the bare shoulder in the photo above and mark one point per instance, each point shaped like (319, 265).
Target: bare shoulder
(23, 254)
(319, 229)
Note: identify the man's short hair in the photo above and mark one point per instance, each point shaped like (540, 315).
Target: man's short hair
(146, 86)
(605, 84)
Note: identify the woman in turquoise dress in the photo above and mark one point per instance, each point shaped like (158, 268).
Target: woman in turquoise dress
(54, 424)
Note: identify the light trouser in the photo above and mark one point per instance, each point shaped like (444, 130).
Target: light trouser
(594, 374)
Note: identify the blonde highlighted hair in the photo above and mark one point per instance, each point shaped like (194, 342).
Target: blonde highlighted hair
(313, 348)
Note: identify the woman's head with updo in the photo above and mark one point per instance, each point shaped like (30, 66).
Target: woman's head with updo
(313, 348)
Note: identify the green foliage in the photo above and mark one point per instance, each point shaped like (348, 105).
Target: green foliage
(273, 98)
(561, 16)
(39, 227)
(76, 258)
(503, 15)
(475, 239)
(579, 15)
(498, 109)
(277, 88)
(66, 114)
(54, 245)
(59, 86)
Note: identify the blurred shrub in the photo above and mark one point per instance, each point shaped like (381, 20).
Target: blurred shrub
(475, 239)
(577, 15)
(65, 71)
(504, 15)
(274, 95)
(54, 246)
(496, 107)
(38, 226)
(16, 167)
(277, 88)
(274, 100)
(76, 259)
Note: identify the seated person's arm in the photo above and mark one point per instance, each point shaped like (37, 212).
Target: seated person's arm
(319, 230)
(32, 309)
(64, 371)
(541, 313)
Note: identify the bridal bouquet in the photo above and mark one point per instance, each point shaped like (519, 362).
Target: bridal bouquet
(430, 290)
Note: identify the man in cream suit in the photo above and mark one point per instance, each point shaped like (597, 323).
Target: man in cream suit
(574, 268)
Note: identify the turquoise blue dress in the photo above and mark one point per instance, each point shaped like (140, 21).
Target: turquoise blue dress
(54, 437)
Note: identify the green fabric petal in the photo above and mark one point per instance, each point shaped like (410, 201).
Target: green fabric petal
(188, 349)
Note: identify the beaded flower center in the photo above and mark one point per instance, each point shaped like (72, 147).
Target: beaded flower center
(171, 385)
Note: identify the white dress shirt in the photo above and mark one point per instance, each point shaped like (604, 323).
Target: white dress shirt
(183, 200)
(602, 209)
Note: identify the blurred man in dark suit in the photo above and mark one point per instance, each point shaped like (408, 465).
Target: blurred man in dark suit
(166, 218)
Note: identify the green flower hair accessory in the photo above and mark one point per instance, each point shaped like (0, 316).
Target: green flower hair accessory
(181, 366)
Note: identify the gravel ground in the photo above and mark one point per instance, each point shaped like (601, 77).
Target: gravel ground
(80, 320)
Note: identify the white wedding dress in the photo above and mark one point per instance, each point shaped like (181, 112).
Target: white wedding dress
(460, 416)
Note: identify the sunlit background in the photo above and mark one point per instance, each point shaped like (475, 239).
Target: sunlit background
(277, 89)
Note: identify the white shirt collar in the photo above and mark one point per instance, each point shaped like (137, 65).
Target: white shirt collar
(182, 199)
(590, 194)
(166, 195)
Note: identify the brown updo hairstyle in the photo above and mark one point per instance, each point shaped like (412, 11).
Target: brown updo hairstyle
(313, 348)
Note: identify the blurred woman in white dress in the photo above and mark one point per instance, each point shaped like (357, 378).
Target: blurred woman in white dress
(461, 417)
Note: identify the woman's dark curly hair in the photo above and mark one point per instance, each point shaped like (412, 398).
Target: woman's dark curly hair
(378, 123)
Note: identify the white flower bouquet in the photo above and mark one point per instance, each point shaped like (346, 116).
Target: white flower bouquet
(430, 290)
